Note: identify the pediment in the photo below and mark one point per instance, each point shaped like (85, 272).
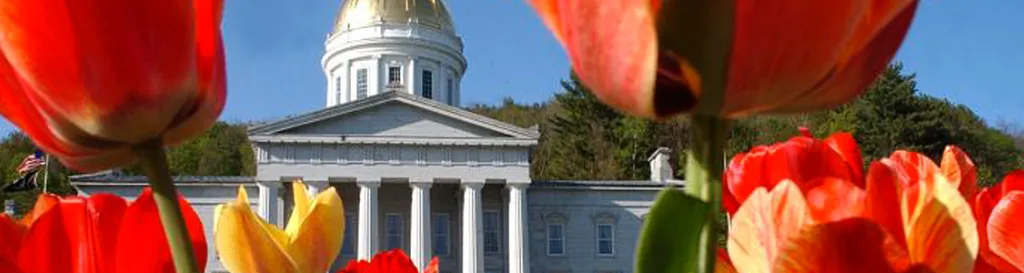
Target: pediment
(394, 115)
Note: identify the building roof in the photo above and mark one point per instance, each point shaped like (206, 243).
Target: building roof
(275, 127)
(116, 177)
(592, 184)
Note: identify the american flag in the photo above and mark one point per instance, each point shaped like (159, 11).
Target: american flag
(27, 171)
(30, 163)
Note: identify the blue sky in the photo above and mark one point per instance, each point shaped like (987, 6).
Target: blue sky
(966, 52)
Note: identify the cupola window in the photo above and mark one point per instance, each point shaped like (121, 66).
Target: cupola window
(394, 75)
(428, 84)
(361, 83)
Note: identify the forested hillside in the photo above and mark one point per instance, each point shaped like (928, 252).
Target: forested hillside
(583, 139)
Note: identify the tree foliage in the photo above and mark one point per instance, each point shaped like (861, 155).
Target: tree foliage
(223, 149)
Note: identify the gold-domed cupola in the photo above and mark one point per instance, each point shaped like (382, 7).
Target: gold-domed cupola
(357, 13)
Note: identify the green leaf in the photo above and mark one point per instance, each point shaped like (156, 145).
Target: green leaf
(671, 234)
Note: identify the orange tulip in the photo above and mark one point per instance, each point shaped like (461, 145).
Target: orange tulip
(102, 233)
(999, 210)
(912, 220)
(87, 81)
(835, 157)
(657, 58)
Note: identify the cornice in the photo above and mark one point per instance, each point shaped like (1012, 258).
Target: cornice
(315, 139)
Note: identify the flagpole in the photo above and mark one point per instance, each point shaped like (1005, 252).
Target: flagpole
(46, 172)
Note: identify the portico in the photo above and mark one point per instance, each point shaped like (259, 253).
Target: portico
(396, 149)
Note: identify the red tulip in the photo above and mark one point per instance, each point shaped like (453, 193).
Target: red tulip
(911, 220)
(657, 58)
(89, 80)
(101, 233)
(805, 161)
(999, 210)
(394, 261)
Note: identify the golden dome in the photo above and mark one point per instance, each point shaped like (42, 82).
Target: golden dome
(355, 13)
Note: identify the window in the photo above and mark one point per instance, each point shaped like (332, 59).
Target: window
(492, 245)
(605, 239)
(394, 230)
(361, 83)
(556, 239)
(428, 84)
(394, 75)
(442, 234)
(451, 93)
(348, 246)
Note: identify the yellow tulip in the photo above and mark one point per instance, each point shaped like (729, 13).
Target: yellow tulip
(309, 243)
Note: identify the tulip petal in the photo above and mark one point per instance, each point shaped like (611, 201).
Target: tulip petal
(940, 229)
(862, 63)
(851, 245)
(73, 235)
(882, 200)
(211, 72)
(834, 200)
(104, 214)
(913, 168)
(125, 91)
(246, 243)
(391, 261)
(10, 234)
(615, 56)
(318, 236)
(982, 266)
(19, 109)
(432, 266)
(982, 206)
(355, 266)
(763, 224)
(48, 250)
(44, 203)
(722, 262)
(777, 47)
(142, 232)
(846, 147)
(1012, 182)
(744, 175)
(1006, 232)
(960, 170)
(300, 208)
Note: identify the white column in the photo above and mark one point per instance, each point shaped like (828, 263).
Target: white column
(518, 246)
(367, 219)
(268, 200)
(472, 214)
(315, 187)
(410, 82)
(419, 229)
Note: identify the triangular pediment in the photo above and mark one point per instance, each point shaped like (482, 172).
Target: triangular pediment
(394, 114)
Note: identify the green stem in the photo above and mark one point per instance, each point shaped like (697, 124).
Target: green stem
(705, 164)
(154, 163)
